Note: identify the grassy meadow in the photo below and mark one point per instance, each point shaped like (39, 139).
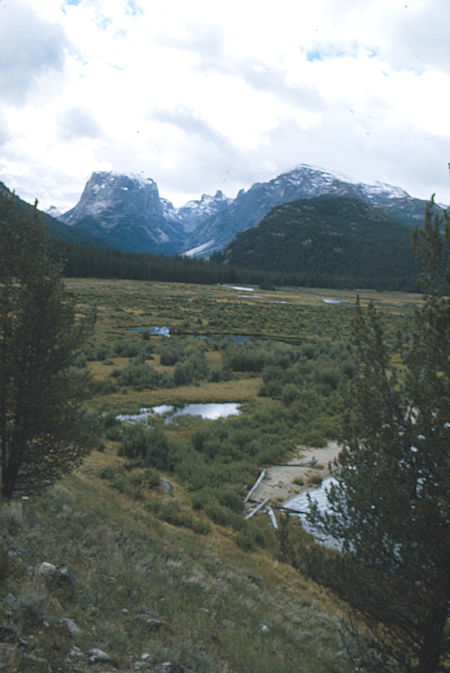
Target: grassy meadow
(178, 575)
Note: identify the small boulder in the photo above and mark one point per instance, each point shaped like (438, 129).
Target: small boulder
(10, 601)
(47, 569)
(96, 655)
(66, 574)
(72, 627)
(165, 485)
(76, 653)
(170, 667)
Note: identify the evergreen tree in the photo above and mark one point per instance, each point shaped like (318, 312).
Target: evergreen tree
(43, 430)
(389, 507)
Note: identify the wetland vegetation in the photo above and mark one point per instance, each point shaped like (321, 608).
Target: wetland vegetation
(152, 523)
(285, 379)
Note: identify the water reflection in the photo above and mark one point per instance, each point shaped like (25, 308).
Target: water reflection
(210, 411)
(300, 503)
(154, 330)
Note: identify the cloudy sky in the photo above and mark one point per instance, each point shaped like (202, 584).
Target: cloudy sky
(206, 95)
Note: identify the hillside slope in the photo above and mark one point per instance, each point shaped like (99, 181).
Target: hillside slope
(58, 230)
(151, 595)
(330, 236)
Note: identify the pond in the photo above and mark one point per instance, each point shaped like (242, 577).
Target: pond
(209, 411)
(327, 300)
(154, 330)
(300, 503)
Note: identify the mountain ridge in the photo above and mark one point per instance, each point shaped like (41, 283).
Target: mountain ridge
(128, 211)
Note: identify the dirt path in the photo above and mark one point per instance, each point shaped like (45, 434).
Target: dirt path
(278, 484)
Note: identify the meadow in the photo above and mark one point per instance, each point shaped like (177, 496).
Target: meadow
(167, 569)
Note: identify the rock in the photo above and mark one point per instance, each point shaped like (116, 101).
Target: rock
(72, 627)
(98, 655)
(66, 574)
(145, 656)
(10, 601)
(264, 628)
(47, 569)
(76, 653)
(165, 485)
(170, 667)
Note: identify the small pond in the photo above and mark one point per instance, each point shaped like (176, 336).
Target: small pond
(154, 330)
(327, 300)
(300, 502)
(210, 411)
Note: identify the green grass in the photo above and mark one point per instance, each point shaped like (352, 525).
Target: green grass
(214, 601)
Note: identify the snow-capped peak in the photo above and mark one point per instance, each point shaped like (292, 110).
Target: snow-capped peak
(384, 190)
(53, 211)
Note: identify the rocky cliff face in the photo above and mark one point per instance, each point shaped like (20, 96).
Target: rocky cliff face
(127, 210)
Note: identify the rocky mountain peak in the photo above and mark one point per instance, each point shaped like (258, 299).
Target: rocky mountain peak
(128, 211)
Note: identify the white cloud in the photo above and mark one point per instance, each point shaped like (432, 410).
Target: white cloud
(206, 95)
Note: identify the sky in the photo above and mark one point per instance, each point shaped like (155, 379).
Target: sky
(206, 95)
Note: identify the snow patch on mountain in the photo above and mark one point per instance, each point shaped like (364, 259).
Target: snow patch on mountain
(195, 252)
(381, 189)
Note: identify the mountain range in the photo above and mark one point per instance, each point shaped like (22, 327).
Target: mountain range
(127, 212)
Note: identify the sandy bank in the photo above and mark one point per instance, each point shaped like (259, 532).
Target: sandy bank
(279, 482)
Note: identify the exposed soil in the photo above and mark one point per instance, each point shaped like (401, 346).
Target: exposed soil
(281, 482)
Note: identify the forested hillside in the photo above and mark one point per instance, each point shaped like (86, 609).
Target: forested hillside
(330, 240)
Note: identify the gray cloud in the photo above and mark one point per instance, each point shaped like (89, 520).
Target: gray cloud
(190, 122)
(270, 79)
(78, 122)
(207, 160)
(29, 47)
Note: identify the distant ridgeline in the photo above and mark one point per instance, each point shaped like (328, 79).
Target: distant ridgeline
(57, 230)
(328, 241)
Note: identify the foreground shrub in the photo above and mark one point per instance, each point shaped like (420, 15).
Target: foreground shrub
(147, 446)
(139, 375)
